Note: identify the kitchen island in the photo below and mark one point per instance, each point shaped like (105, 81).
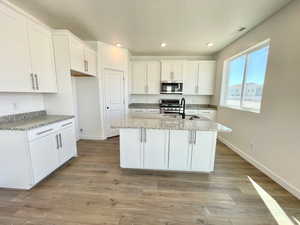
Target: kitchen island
(168, 143)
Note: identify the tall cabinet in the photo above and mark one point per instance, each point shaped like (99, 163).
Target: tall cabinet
(26, 56)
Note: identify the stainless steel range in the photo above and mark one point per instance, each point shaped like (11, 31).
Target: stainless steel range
(170, 106)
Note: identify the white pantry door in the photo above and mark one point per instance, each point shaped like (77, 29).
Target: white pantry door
(114, 100)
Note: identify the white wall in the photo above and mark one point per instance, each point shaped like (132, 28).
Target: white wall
(90, 91)
(14, 103)
(270, 139)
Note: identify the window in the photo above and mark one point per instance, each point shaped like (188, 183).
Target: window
(244, 78)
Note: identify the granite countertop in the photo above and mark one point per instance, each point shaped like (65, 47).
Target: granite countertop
(156, 106)
(201, 124)
(33, 122)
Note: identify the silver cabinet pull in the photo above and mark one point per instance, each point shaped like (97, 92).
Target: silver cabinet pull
(145, 136)
(57, 143)
(37, 82)
(60, 140)
(141, 135)
(32, 81)
(45, 131)
(66, 124)
(87, 66)
(195, 137)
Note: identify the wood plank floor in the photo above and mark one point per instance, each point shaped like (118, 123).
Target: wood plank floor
(92, 189)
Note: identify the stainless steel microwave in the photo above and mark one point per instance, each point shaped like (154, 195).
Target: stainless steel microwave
(171, 88)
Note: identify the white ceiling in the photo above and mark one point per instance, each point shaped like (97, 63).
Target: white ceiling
(141, 25)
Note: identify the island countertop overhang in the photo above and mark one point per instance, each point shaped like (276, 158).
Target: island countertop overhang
(171, 124)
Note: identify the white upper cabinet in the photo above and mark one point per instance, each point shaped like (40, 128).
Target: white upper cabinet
(191, 77)
(145, 77)
(199, 78)
(83, 59)
(77, 55)
(90, 61)
(139, 78)
(15, 70)
(172, 71)
(42, 58)
(153, 77)
(206, 83)
(26, 56)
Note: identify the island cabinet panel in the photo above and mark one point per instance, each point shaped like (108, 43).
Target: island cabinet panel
(131, 148)
(179, 150)
(155, 149)
(203, 151)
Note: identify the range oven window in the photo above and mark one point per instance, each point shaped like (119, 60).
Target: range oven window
(171, 88)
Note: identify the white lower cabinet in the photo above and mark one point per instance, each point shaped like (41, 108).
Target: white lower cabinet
(155, 149)
(30, 156)
(67, 143)
(43, 157)
(178, 150)
(131, 148)
(203, 151)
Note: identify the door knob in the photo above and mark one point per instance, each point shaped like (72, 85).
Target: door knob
(107, 107)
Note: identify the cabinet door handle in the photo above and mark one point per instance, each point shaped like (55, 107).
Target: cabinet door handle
(190, 137)
(32, 81)
(141, 135)
(37, 82)
(57, 143)
(87, 66)
(145, 136)
(45, 131)
(195, 137)
(60, 140)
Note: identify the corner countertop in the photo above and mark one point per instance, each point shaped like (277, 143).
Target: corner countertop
(201, 124)
(156, 106)
(32, 123)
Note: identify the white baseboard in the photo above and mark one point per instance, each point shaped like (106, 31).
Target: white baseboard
(281, 181)
(92, 138)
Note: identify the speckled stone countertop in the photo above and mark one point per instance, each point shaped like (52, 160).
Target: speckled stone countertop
(156, 106)
(28, 121)
(201, 124)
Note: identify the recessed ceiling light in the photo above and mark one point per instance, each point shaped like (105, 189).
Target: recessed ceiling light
(210, 44)
(163, 45)
(118, 45)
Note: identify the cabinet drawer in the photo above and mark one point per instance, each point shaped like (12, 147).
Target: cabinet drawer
(46, 130)
(41, 132)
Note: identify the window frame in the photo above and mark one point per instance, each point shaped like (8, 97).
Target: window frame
(225, 79)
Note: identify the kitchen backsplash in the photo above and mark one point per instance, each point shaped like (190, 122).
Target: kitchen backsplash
(156, 98)
(15, 103)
